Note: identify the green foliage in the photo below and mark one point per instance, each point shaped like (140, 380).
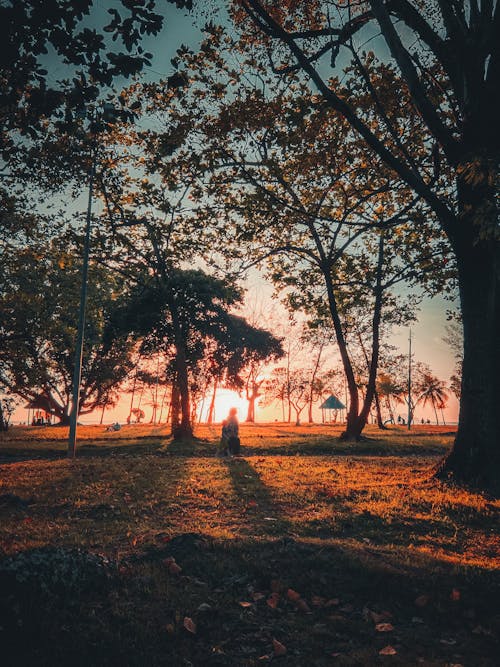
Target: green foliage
(39, 301)
(196, 305)
(39, 36)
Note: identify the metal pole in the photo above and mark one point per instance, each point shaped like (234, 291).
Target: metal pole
(409, 382)
(81, 319)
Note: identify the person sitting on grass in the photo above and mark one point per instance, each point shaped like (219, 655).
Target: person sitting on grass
(232, 432)
(222, 446)
(229, 444)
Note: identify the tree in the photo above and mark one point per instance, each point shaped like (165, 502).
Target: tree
(7, 408)
(184, 313)
(431, 389)
(84, 50)
(448, 57)
(390, 391)
(454, 338)
(331, 228)
(38, 305)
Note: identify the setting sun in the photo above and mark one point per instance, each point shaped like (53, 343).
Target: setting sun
(224, 401)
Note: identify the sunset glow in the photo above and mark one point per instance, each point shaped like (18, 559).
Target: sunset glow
(224, 401)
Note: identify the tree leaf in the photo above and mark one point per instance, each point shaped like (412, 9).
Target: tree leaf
(272, 600)
(422, 600)
(173, 568)
(189, 625)
(278, 648)
(384, 627)
(302, 606)
(388, 650)
(293, 595)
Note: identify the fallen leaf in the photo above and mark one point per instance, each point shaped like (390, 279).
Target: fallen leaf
(272, 600)
(190, 625)
(422, 600)
(293, 595)
(278, 648)
(378, 617)
(170, 628)
(455, 595)
(245, 604)
(334, 602)
(384, 627)
(388, 650)
(302, 605)
(317, 601)
(173, 568)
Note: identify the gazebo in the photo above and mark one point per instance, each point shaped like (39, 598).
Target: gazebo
(41, 411)
(331, 403)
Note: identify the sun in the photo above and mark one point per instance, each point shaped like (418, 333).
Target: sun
(224, 401)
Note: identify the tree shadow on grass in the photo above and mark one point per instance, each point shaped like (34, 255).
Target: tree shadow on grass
(192, 446)
(335, 447)
(97, 449)
(124, 507)
(237, 597)
(260, 513)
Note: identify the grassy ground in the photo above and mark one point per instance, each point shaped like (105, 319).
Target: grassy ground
(304, 551)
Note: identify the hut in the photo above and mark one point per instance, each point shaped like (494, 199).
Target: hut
(40, 409)
(332, 404)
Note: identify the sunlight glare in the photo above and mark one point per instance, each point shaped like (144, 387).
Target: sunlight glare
(224, 401)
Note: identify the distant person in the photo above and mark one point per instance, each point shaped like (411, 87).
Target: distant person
(113, 427)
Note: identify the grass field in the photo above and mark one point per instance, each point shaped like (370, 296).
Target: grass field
(305, 551)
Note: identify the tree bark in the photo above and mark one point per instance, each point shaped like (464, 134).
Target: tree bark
(380, 420)
(175, 409)
(475, 457)
(184, 429)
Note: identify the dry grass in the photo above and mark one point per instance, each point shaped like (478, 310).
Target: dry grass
(365, 524)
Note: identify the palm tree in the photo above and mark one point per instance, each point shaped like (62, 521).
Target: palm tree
(432, 390)
(388, 387)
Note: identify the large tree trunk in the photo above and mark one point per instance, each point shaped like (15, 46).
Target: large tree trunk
(183, 429)
(380, 420)
(475, 457)
(175, 407)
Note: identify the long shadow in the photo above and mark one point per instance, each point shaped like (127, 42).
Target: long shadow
(35, 621)
(346, 449)
(129, 506)
(84, 450)
(259, 510)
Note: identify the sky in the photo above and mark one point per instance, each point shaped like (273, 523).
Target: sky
(427, 334)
